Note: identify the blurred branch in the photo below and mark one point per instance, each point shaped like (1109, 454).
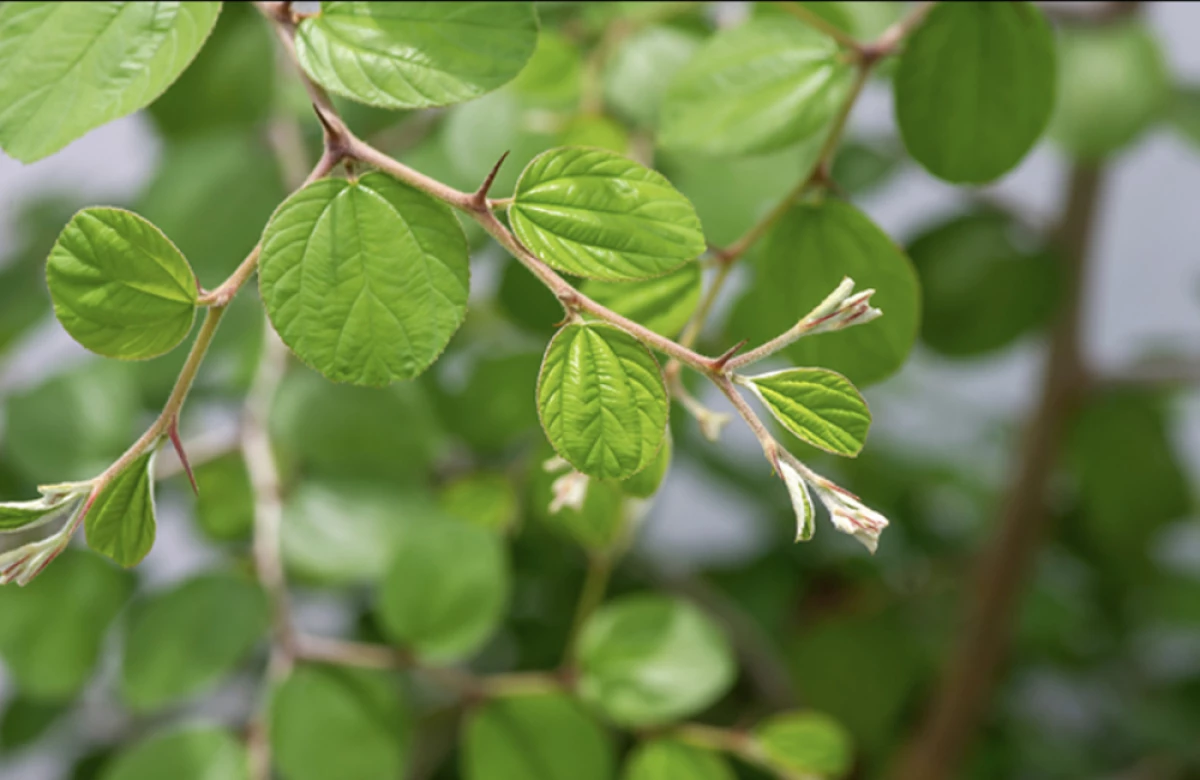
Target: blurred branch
(943, 738)
(1154, 371)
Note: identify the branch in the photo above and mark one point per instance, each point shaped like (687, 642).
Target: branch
(942, 740)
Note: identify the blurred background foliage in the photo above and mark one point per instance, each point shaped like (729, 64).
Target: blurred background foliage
(1104, 674)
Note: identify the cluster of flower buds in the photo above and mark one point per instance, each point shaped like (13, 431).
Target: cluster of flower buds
(848, 513)
(840, 310)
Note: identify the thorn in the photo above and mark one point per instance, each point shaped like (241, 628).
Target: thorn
(479, 198)
(719, 362)
(335, 132)
(173, 432)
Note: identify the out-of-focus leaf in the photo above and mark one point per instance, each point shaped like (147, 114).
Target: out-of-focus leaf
(666, 759)
(861, 167)
(51, 630)
(641, 67)
(487, 499)
(553, 75)
(25, 721)
(808, 743)
(664, 305)
(194, 753)
(497, 406)
(225, 505)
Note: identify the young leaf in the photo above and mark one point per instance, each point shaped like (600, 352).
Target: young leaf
(821, 407)
(801, 499)
(120, 522)
(181, 641)
(602, 400)
(25, 515)
(415, 55)
(119, 286)
(648, 660)
(365, 280)
(596, 214)
(446, 589)
(51, 631)
(756, 88)
(194, 753)
(813, 248)
(1113, 84)
(975, 88)
(664, 305)
(67, 68)
(338, 722)
(543, 736)
(666, 759)
(807, 743)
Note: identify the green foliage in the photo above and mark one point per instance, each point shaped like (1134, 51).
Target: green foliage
(194, 753)
(664, 305)
(648, 660)
(593, 213)
(364, 50)
(665, 759)
(121, 522)
(119, 286)
(446, 589)
(807, 743)
(66, 69)
(975, 88)
(334, 722)
(602, 401)
(821, 407)
(386, 263)
(537, 735)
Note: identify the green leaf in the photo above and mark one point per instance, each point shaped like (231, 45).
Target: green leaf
(120, 522)
(73, 425)
(67, 68)
(230, 85)
(637, 73)
(476, 134)
(1113, 84)
(51, 630)
(365, 280)
(821, 407)
(596, 214)
(666, 759)
(602, 400)
(225, 505)
(975, 88)
(646, 482)
(119, 286)
(664, 305)
(182, 641)
(1184, 114)
(378, 434)
(648, 660)
(338, 722)
(598, 131)
(414, 55)
(26, 720)
(16, 515)
(341, 533)
(808, 253)
(487, 499)
(860, 167)
(553, 76)
(807, 743)
(195, 753)
(446, 589)
(756, 88)
(543, 736)
(986, 282)
(497, 406)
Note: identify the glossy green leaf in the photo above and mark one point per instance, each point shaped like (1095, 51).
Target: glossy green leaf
(596, 214)
(806, 742)
(637, 73)
(985, 281)
(602, 400)
(51, 630)
(543, 736)
(343, 533)
(365, 280)
(646, 482)
(67, 68)
(446, 589)
(664, 305)
(821, 407)
(119, 286)
(193, 753)
(74, 425)
(225, 504)
(338, 722)
(489, 500)
(812, 249)
(1113, 84)
(182, 641)
(121, 522)
(756, 88)
(666, 759)
(647, 660)
(414, 55)
(975, 88)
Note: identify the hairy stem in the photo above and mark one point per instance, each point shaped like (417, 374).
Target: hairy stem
(945, 735)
